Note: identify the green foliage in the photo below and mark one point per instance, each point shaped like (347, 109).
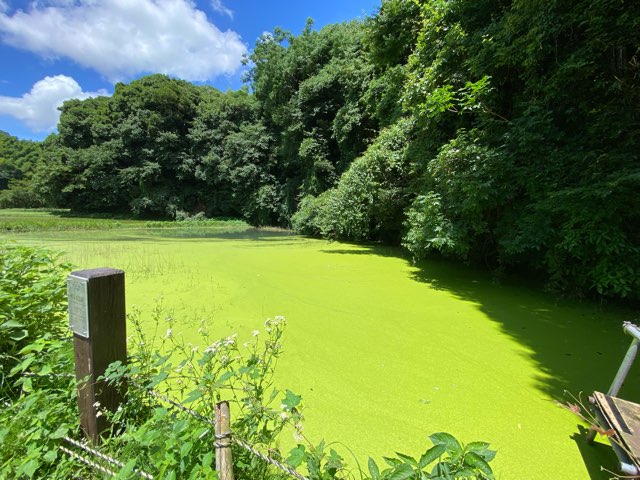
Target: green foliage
(37, 385)
(540, 180)
(369, 200)
(18, 160)
(310, 91)
(32, 302)
(458, 216)
(45, 410)
(446, 459)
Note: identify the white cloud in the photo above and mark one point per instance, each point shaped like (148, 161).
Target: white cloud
(124, 38)
(38, 109)
(4, 6)
(219, 7)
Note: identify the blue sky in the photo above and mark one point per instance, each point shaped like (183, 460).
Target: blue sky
(52, 50)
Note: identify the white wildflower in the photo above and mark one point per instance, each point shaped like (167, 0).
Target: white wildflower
(256, 333)
(284, 416)
(169, 333)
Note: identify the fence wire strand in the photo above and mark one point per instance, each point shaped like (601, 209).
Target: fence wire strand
(104, 457)
(88, 462)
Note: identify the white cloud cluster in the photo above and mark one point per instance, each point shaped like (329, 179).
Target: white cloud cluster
(38, 109)
(124, 38)
(219, 7)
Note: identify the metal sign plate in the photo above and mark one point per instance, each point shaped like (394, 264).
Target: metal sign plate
(78, 305)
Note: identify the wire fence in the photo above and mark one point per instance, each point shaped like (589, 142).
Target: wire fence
(112, 462)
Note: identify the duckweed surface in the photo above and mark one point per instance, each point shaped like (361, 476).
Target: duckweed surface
(383, 352)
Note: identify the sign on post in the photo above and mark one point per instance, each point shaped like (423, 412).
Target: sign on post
(77, 296)
(97, 318)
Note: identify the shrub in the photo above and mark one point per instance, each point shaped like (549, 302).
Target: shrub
(32, 301)
(368, 201)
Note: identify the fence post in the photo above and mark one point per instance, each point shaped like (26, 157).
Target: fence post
(224, 462)
(97, 318)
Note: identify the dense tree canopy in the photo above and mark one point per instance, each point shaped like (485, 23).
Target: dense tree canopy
(18, 159)
(503, 133)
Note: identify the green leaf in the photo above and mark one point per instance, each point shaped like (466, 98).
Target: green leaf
(225, 376)
(291, 400)
(22, 366)
(59, 433)
(432, 454)
(449, 441)
(50, 456)
(11, 324)
(488, 455)
(185, 449)
(18, 335)
(373, 469)
(193, 396)
(30, 467)
(401, 472)
(477, 446)
(157, 379)
(392, 462)
(465, 473)
(207, 460)
(27, 385)
(475, 461)
(296, 456)
(407, 459)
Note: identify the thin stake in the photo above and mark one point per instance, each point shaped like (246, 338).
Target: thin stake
(224, 462)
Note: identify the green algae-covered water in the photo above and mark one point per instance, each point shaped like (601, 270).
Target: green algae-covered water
(384, 352)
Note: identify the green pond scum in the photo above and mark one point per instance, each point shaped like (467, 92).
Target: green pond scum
(382, 351)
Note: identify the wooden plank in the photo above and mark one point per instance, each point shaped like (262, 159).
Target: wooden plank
(624, 417)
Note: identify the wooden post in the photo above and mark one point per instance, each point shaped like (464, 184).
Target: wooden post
(224, 462)
(97, 317)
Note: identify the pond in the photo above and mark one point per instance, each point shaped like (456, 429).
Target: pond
(382, 351)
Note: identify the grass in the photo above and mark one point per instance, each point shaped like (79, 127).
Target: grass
(48, 220)
(383, 352)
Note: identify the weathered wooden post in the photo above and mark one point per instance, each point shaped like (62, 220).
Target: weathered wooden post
(224, 462)
(97, 318)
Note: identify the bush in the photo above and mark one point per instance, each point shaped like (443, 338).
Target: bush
(368, 201)
(32, 301)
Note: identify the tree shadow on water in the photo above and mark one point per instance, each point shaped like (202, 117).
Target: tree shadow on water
(576, 346)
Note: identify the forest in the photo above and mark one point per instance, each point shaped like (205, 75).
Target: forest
(504, 134)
